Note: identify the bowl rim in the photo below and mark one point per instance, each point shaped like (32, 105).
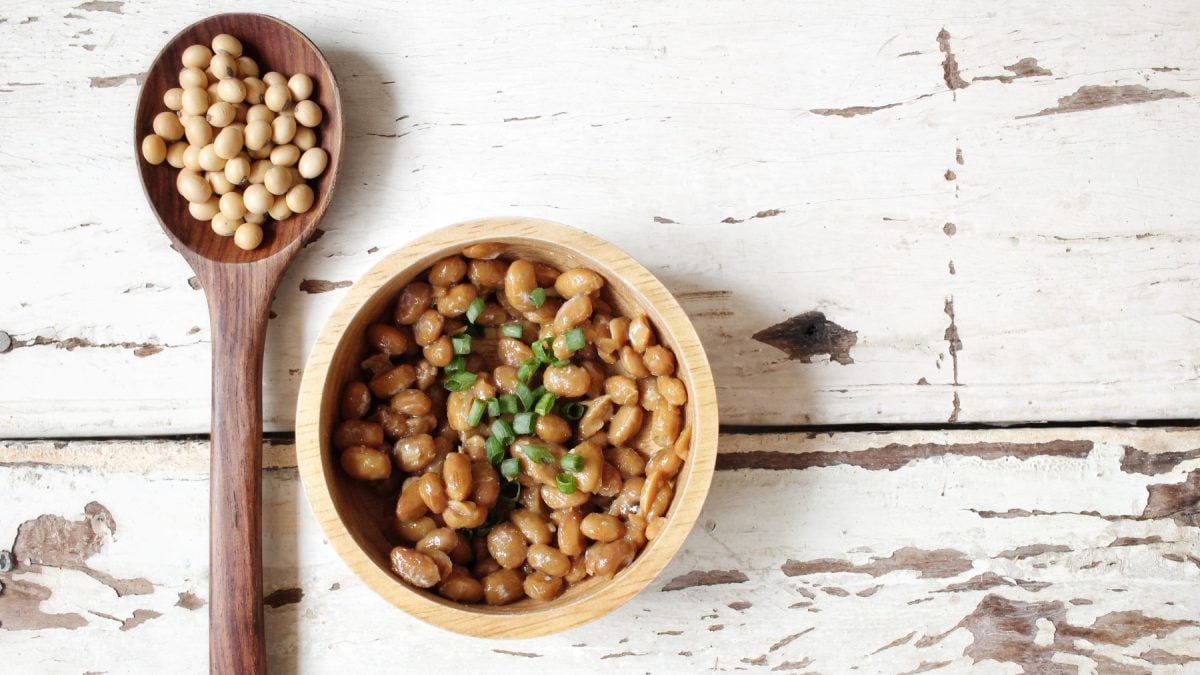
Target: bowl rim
(481, 621)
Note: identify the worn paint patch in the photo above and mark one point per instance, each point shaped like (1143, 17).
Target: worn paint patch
(189, 600)
(323, 286)
(780, 644)
(939, 563)
(705, 578)
(140, 616)
(902, 640)
(952, 337)
(1006, 631)
(949, 229)
(894, 455)
(793, 665)
(664, 221)
(1033, 550)
(54, 541)
(1162, 657)
(109, 81)
(1135, 541)
(1178, 501)
(1094, 97)
(987, 580)
(1154, 463)
(20, 607)
(852, 111)
(769, 213)
(1026, 67)
(950, 74)
(113, 6)
(810, 334)
(284, 596)
(740, 605)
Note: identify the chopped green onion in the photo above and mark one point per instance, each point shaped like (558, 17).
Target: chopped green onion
(538, 297)
(575, 339)
(540, 348)
(457, 364)
(526, 396)
(459, 381)
(539, 392)
(523, 423)
(493, 407)
(571, 462)
(573, 411)
(512, 330)
(528, 369)
(461, 343)
(565, 482)
(502, 430)
(510, 467)
(510, 491)
(545, 404)
(495, 450)
(537, 454)
(509, 404)
(475, 309)
(475, 416)
(560, 363)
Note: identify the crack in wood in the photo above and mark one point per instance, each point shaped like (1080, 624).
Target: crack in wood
(140, 349)
(1094, 97)
(894, 455)
(852, 111)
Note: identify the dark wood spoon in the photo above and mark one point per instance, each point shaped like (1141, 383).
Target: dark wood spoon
(239, 286)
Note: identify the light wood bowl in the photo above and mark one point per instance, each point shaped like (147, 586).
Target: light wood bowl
(354, 516)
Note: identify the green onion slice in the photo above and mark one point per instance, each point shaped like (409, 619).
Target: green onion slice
(509, 404)
(523, 423)
(495, 450)
(540, 352)
(475, 415)
(475, 309)
(575, 339)
(493, 407)
(538, 297)
(457, 364)
(510, 467)
(459, 381)
(559, 363)
(545, 403)
(537, 454)
(573, 411)
(461, 343)
(525, 395)
(565, 482)
(512, 330)
(502, 430)
(528, 369)
(571, 462)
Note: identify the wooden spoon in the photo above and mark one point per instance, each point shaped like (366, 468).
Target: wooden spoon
(239, 286)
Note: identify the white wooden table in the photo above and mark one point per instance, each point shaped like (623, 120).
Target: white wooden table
(894, 224)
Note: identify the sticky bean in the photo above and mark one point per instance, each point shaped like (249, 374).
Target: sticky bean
(447, 271)
(534, 526)
(464, 515)
(412, 531)
(503, 587)
(606, 559)
(415, 452)
(356, 401)
(485, 483)
(578, 281)
(393, 381)
(566, 381)
(456, 471)
(428, 327)
(357, 432)
(602, 527)
(415, 567)
(548, 560)
(460, 586)
(543, 587)
(519, 282)
(414, 300)
(409, 505)
(366, 463)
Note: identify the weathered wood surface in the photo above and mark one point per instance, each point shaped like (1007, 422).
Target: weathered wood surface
(978, 212)
(1040, 549)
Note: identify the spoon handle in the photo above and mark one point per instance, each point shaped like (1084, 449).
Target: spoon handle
(239, 299)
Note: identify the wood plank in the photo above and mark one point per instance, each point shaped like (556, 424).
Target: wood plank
(823, 183)
(887, 551)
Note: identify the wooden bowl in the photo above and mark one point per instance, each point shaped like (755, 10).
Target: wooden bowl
(355, 517)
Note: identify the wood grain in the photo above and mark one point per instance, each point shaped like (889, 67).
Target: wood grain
(349, 511)
(239, 286)
(660, 130)
(845, 560)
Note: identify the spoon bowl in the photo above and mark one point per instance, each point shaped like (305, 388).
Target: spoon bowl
(238, 285)
(274, 45)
